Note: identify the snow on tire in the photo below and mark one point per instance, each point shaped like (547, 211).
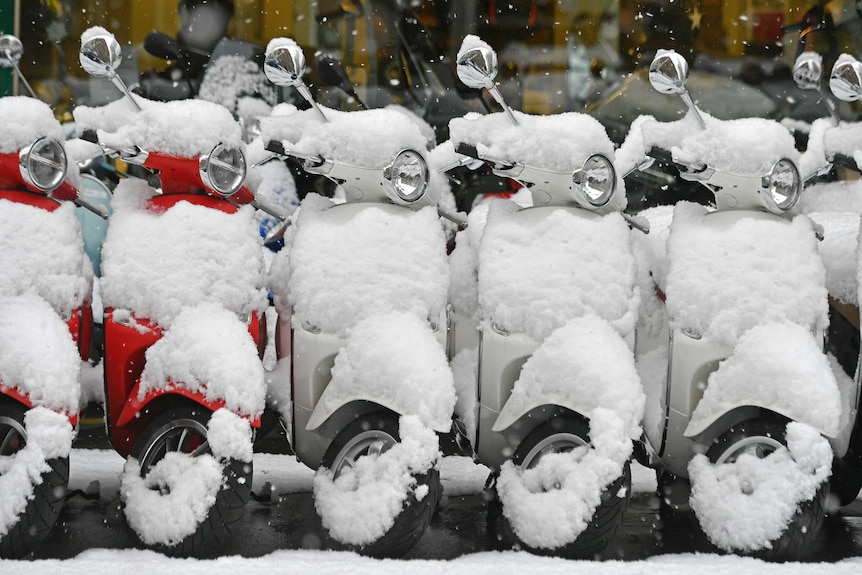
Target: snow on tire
(379, 484)
(188, 479)
(762, 488)
(563, 494)
(34, 474)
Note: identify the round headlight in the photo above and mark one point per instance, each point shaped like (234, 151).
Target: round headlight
(43, 164)
(597, 180)
(223, 169)
(782, 186)
(407, 176)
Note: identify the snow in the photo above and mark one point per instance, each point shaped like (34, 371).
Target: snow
(173, 499)
(367, 138)
(53, 267)
(652, 369)
(185, 255)
(845, 139)
(229, 436)
(470, 42)
(465, 371)
(25, 120)
(765, 355)
(540, 269)
(838, 251)
(49, 436)
(208, 350)
(650, 251)
(389, 357)
(748, 504)
(722, 297)
(347, 264)
(552, 503)
(31, 332)
(376, 488)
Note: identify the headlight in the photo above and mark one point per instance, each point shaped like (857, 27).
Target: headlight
(223, 169)
(43, 164)
(407, 176)
(596, 180)
(782, 186)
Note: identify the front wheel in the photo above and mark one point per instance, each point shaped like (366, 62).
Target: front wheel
(562, 435)
(761, 438)
(44, 501)
(371, 436)
(179, 438)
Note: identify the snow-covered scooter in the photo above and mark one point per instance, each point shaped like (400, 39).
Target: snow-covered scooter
(744, 413)
(45, 317)
(552, 291)
(360, 290)
(183, 289)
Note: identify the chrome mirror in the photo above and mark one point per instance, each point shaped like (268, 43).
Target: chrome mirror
(477, 67)
(846, 80)
(807, 71)
(284, 65)
(11, 50)
(668, 74)
(100, 56)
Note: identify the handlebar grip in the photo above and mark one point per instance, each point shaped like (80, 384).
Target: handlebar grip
(661, 155)
(846, 161)
(276, 147)
(467, 150)
(90, 136)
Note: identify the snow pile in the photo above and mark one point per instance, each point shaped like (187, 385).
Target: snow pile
(842, 196)
(391, 357)
(157, 264)
(367, 138)
(463, 264)
(814, 156)
(347, 263)
(49, 436)
(232, 77)
(540, 269)
(652, 369)
(42, 253)
(552, 503)
(24, 120)
(37, 354)
(275, 186)
(650, 252)
(209, 351)
(838, 252)
(361, 505)
(465, 371)
(747, 146)
(844, 139)
(174, 498)
(747, 504)
(184, 128)
(770, 353)
(719, 286)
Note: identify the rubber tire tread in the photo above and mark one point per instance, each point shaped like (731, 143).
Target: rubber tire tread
(804, 527)
(606, 519)
(213, 536)
(414, 518)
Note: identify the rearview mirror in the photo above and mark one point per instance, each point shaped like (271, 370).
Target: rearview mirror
(284, 65)
(846, 80)
(807, 70)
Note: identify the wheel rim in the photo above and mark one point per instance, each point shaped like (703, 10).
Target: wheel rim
(555, 443)
(179, 435)
(759, 445)
(13, 436)
(373, 442)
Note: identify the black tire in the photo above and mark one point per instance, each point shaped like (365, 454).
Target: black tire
(845, 482)
(415, 516)
(558, 434)
(43, 508)
(804, 527)
(213, 535)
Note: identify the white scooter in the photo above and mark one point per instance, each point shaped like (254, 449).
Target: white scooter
(545, 310)
(360, 290)
(742, 406)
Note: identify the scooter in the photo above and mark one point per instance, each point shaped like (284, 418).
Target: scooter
(45, 317)
(360, 290)
(733, 369)
(547, 307)
(183, 289)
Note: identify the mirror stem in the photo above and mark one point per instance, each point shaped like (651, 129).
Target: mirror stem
(690, 103)
(831, 106)
(118, 82)
(306, 93)
(499, 97)
(21, 76)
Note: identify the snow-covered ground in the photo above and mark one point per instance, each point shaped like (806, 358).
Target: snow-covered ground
(460, 476)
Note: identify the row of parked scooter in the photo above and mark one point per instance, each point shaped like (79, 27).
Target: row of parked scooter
(559, 340)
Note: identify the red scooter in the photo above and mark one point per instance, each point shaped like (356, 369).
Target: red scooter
(182, 283)
(46, 321)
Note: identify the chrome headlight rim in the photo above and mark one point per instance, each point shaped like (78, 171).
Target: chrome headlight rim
(781, 167)
(581, 179)
(210, 163)
(29, 158)
(391, 176)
